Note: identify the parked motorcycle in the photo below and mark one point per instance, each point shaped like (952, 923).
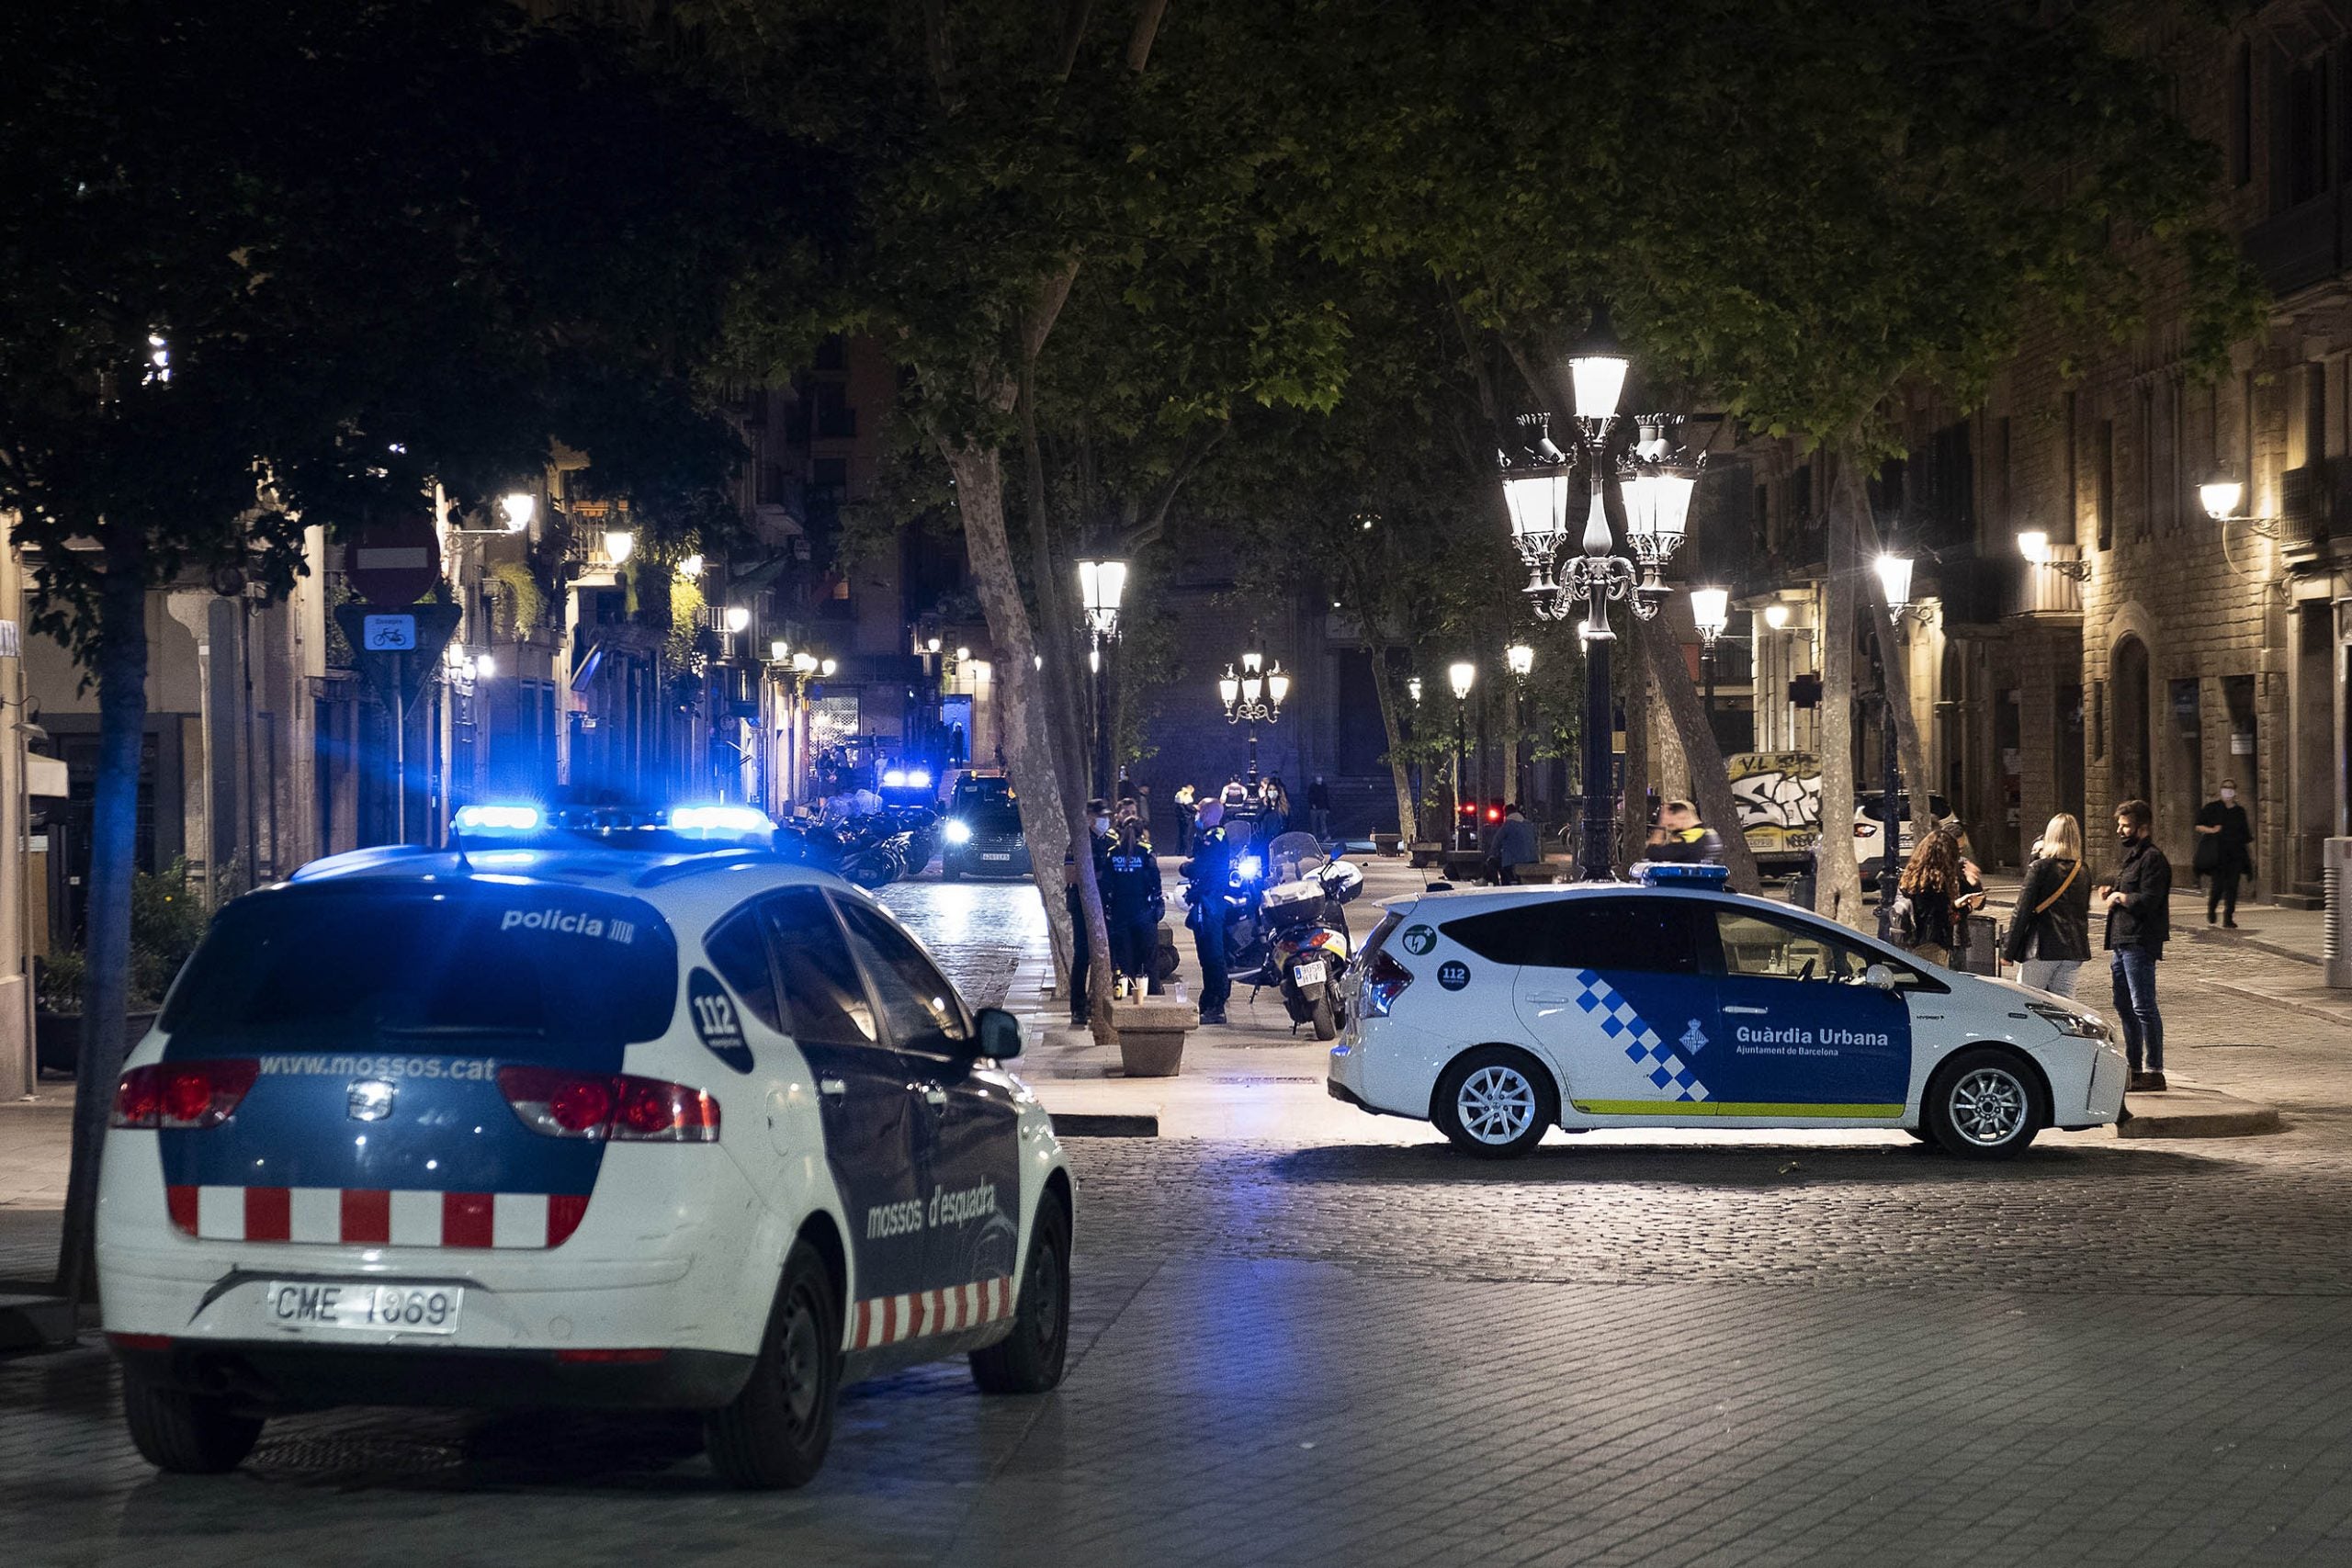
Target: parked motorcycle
(1305, 930)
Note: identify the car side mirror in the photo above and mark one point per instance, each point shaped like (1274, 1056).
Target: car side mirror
(1001, 1035)
(1879, 978)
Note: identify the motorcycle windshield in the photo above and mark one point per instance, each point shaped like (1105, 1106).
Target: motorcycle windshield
(1293, 855)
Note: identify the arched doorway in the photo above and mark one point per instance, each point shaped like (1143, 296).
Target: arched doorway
(2131, 775)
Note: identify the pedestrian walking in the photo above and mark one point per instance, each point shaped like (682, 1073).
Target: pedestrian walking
(1186, 804)
(1514, 847)
(1277, 805)
(2224, 852)
(2049, 936)
(1133, 903)
(1318, 808)
(2139, 923)
(1208, 871)
(1681, 836)
(1081, 963)
(1929, 917)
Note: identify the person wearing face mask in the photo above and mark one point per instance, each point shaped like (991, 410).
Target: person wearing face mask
(2139, 923)
(1081, 965)
(2224, 852)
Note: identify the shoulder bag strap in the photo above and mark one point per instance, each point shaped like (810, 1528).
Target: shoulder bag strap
(2045, 904)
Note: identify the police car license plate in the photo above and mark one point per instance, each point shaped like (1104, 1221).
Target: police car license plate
(312, 1306)
(1007, 856)
(1308, 974)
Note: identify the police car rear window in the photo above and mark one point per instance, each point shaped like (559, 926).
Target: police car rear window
(487, 964)
(1648, 934)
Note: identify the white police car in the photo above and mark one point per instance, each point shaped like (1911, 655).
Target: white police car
(604, 1112)
(1672, 1003)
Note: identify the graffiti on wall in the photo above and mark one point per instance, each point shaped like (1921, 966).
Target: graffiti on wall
(1778, 797)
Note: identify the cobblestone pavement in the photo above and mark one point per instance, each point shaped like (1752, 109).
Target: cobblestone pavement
(1701, 1350)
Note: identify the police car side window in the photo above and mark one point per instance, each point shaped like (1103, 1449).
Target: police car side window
(741, 959)
(916, 998)
(1757, 948)
(822, 986)
(1647, 935)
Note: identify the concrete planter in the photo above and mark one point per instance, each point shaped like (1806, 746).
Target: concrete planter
(57, 1037)
(1152, 1035)
(1387, 843)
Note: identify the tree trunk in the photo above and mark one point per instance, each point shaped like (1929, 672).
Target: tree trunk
(1020, 721)
(1710, 779)
(1392, 723)
(1891, 656)
(1066, 734)
(1837, 882)
(120, 665)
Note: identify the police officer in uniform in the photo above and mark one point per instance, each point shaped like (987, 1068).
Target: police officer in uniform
(1081, 964)
(1133, 904)
(1209, 871)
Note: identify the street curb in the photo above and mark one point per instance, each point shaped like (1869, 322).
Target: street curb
(35, 1322)
(2195, 1113)
(1106, 1124)
(2235, 939)
(2309, 1009)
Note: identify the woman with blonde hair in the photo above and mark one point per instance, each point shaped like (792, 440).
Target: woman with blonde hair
(2050, 937)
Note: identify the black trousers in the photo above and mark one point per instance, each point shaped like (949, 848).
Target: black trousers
(2225, 894)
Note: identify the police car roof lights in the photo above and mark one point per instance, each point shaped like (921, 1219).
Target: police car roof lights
(490, 820)
(1679, 873)
(723, 824)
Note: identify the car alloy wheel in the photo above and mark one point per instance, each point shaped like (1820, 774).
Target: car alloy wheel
(1496, 1104)
(1990, 1105)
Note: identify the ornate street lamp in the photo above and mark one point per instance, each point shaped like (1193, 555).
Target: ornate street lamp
(1462, 675)
(1101, 585)
(1246, 697)
(2034, 545)
(1520, 658)
(1656, 479)
(1711, 613)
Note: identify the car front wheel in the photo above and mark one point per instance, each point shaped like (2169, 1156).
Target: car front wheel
(1495, 1102)
(1983, 1105)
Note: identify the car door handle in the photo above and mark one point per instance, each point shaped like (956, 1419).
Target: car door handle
(832, 1088)
(1757, 1012)
(1548, 997)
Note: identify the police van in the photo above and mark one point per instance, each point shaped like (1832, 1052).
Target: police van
(1672, 1003)
(591, 1109)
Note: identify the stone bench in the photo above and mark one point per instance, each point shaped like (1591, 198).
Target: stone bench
(1426, 852)
(1386, 844)
(1151, 1032)
(1540, 871)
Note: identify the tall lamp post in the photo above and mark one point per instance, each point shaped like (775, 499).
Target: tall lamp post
(1711, 613)
(1894, 579)
(1520, 659)
(1655, 481)
(1101, 585)
(1413, 829)
(1246, 695)
(1463, 674)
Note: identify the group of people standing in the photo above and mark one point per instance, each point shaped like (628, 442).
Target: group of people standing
(1127, 873)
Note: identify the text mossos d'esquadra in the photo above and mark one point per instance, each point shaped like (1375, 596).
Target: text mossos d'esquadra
(958, 1207)
(1749, 1040)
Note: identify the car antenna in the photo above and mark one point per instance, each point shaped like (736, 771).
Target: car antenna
(458, 843)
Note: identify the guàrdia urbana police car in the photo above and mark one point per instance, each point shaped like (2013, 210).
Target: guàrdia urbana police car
(598, 1110)
(1671, 1003)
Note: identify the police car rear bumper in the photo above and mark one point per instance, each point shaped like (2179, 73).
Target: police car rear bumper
(266, 1377)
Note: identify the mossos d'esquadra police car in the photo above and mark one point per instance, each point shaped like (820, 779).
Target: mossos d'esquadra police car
(1672, 1003)
(589, 1110)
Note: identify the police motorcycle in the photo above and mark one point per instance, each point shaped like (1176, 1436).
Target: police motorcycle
(1305, 924)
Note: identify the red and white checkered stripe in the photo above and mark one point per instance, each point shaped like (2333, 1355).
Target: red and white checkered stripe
(361, 1216)
(887, 1320)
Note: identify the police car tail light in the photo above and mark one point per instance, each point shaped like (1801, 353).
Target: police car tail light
(1383, 984)
(617, 1107)
(183, 1097)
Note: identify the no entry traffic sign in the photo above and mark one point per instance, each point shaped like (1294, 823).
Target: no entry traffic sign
(395, 562)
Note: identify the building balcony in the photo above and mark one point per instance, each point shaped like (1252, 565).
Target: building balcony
(2301, 247)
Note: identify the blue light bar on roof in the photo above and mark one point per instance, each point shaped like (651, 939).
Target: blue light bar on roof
(491, 819)
(1679, 873)
(727, 824)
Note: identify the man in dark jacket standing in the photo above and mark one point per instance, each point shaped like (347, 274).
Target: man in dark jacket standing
(1132, 905)
(2224, 841)
(1081, 966)
(1209, 871)
(2139, 923)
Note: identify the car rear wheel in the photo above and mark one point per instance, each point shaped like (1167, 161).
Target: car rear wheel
(776, 1430)
(1985, 1104)
(1495, 1102)
(1029, 1359)
(187, 1434)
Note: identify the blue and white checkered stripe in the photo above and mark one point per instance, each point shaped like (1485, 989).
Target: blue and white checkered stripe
(1618, 1020)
